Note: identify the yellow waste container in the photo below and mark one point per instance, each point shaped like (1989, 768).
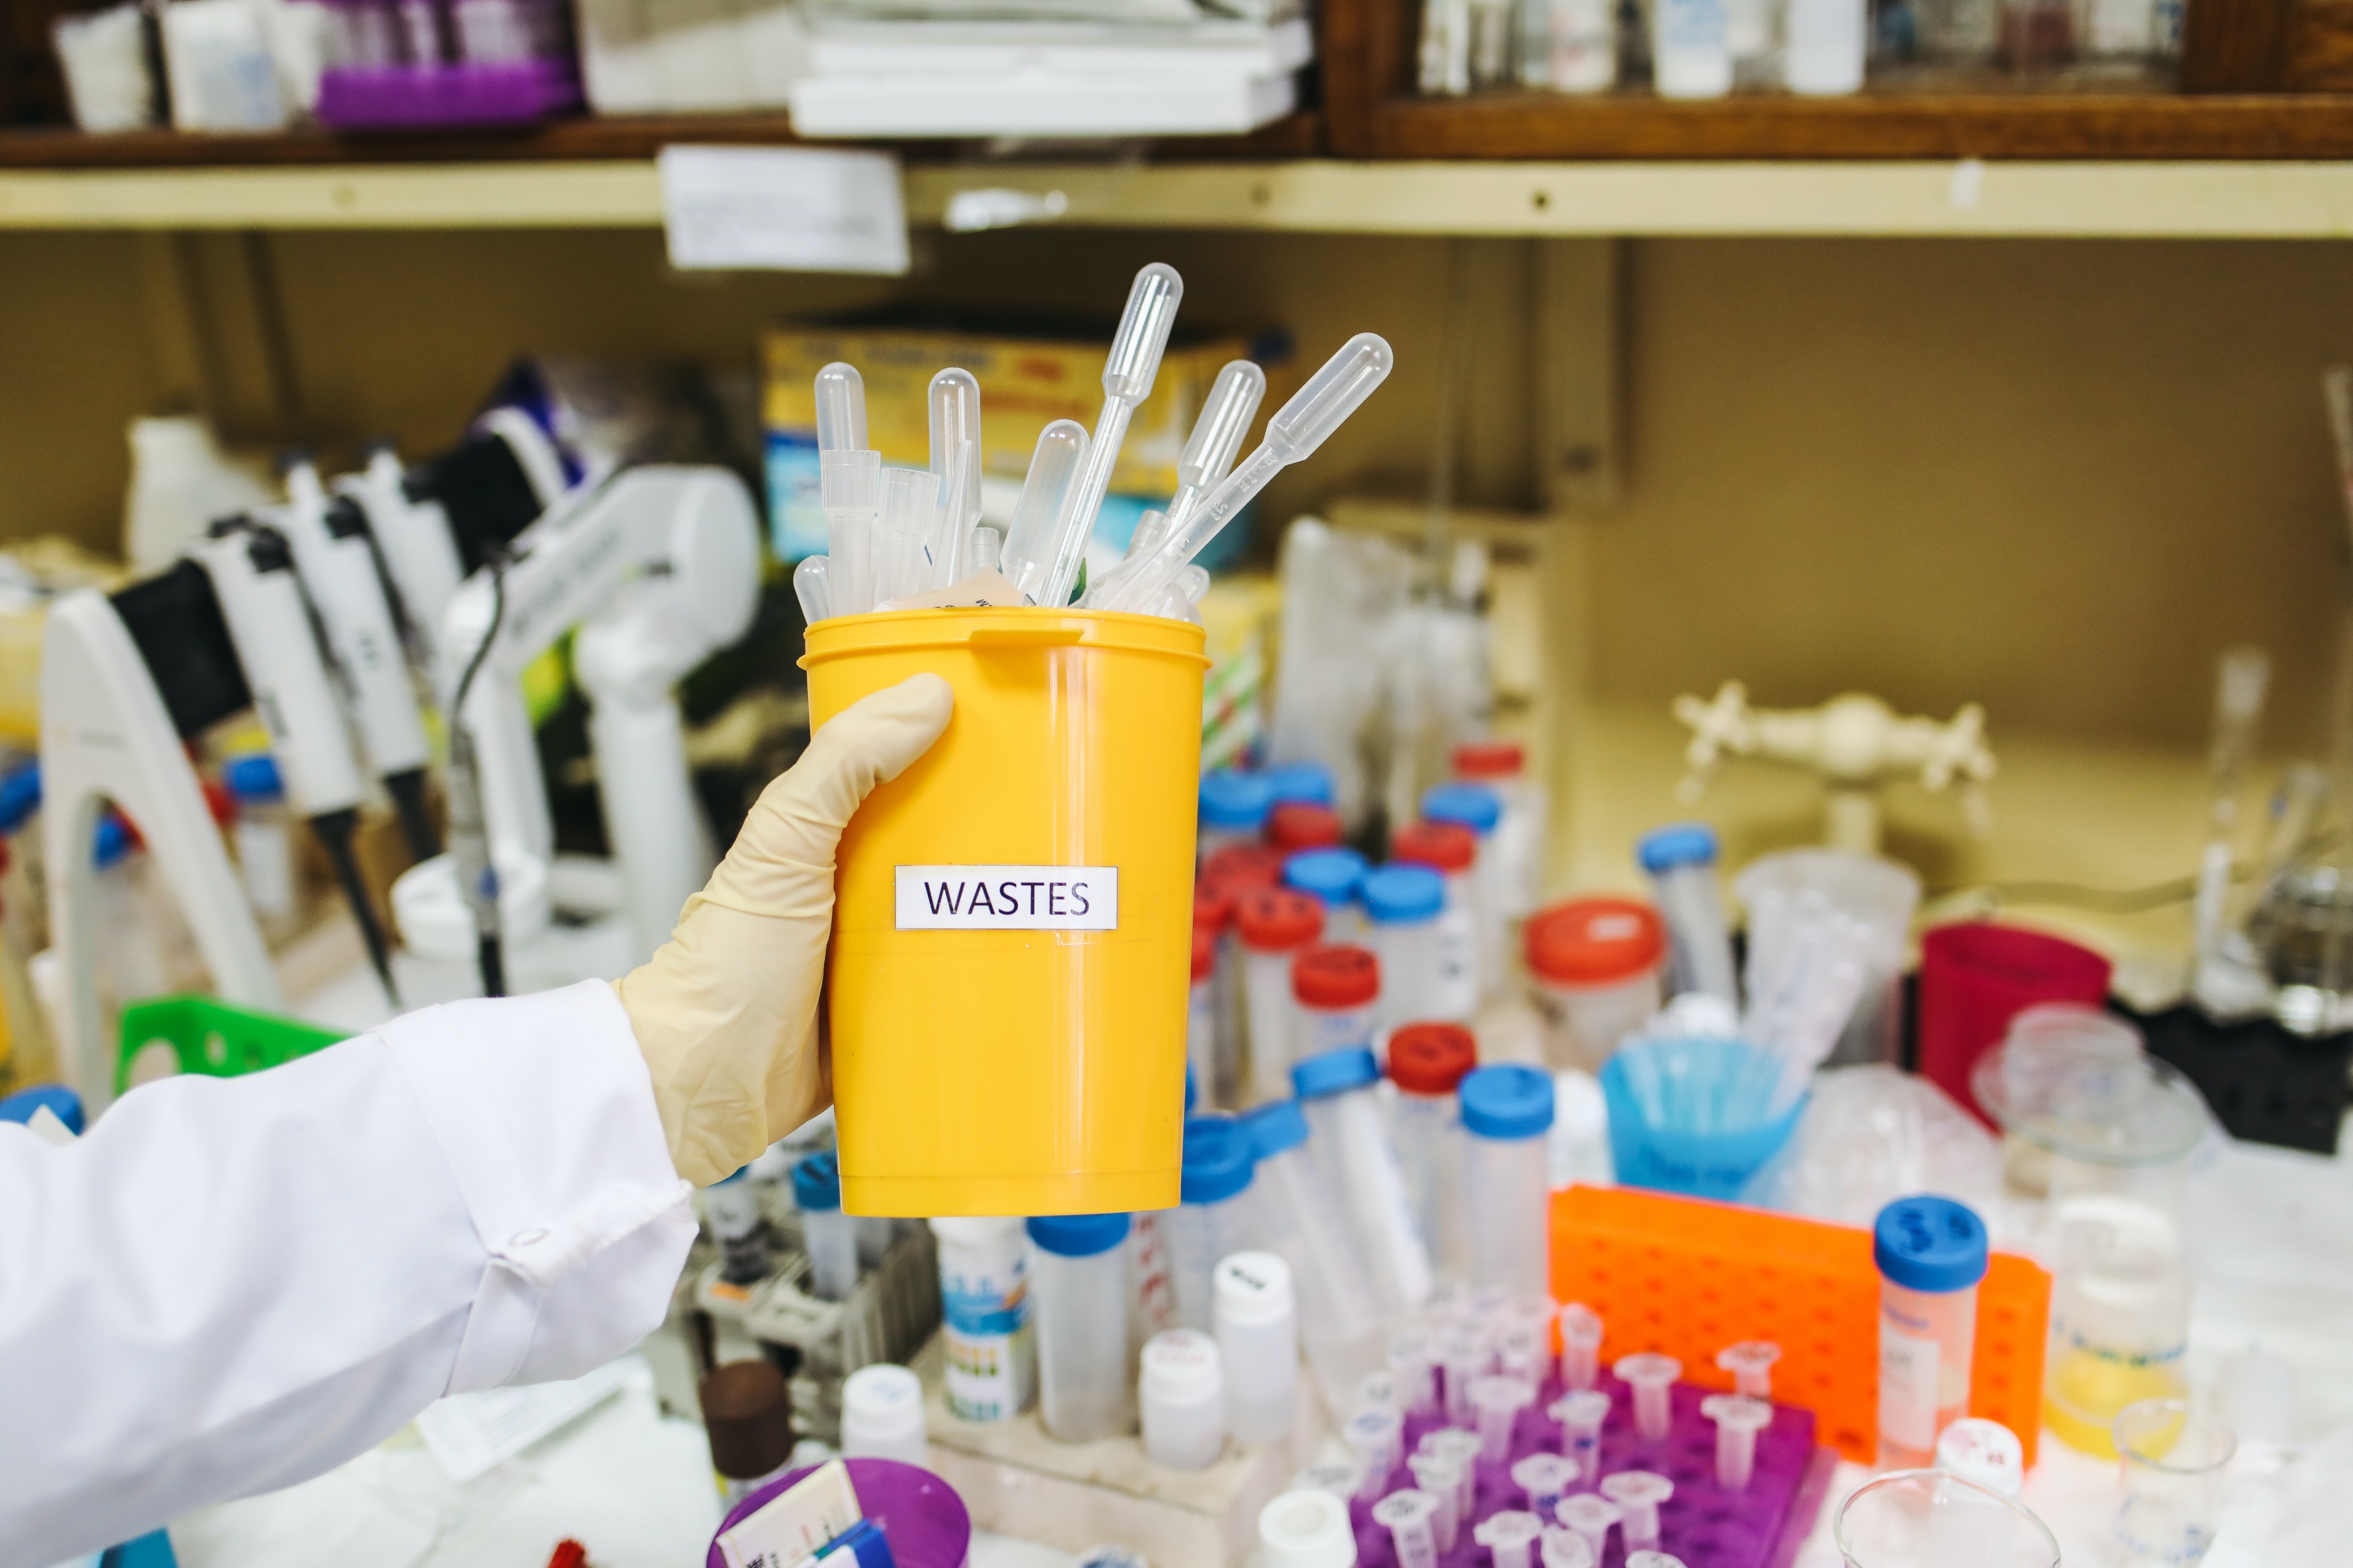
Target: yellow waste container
(1012, 938)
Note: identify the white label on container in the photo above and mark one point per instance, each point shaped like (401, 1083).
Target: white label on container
(789, 210)
(1907, 1389)
(1008, 897)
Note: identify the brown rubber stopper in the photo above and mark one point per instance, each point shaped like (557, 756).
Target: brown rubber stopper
(747, 1411)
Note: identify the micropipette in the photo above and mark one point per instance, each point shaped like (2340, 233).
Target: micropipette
(1128, 373)
(1508, 1534)
(1650, 1376)
(841, 408)
(1297, 428)
(1217, 437)
(956, 426)
(1750, 1363)
(1738, 1418)
(1407, 1517)
(1029, 545)
(809, 585)
(1638, 1494)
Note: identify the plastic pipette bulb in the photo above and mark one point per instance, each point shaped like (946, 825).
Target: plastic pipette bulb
(809, 587)
(1128, 374)
(955, 430)
(1297, 428)
(1580, 1413)
(1408, 1518)
(841, 408)
(1439, 1478)
(1508, 1536)
(1750, 1363)
(1638, 1494)
(1581, 1345)
(1650, 1377)
(1053, 466)
(1546, 1477)
(1216, 436)
(1561, 1547)
(1409, 1362)
(1498, 1399)
(1591, 1518)
(1738, 1418)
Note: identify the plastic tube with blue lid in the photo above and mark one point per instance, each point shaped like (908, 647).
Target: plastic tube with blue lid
(1681, 862)
(1079, 1283)
(1403, 905)
(1352, 1142)
(1214, 1218)
(1307, 781)
(1478, 808)
(1337, 878)
(1234, 805)
(1337, 1328)
(1506, 1111)
(828, 1236)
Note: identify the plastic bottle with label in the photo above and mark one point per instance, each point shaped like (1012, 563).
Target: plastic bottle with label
(1233, 810)
(1085, 1387)
(1276, 925)
(1428, 1063)
(1217, 1216)
(1181, 1394)
(1336, 877)
(1453, 851)
(1352, 1144)
(1931, 1253)
(1404, 905)
(985, 1300)
(1480, 810)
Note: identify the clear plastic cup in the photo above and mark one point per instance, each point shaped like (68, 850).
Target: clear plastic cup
(1781, 891)
(2175, 1460)
(1078, 1281)
(1931, 1519)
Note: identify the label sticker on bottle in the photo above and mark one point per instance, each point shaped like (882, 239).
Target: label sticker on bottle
(1907, 1389)
(1008, 897)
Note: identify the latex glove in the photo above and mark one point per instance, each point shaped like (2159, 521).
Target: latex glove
(726, 1011)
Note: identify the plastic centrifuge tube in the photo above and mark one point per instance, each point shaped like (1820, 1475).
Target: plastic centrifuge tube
(1581, 1345)
(1638, 1494)
(1376, 1437)
(1580, 1413)
(1653, 1559)
(1563, 1548)
(1407, 1517)
(1462, 1352)
(1590, 1517)
(809, 585)
(955, 425)
(1062, 449)
(1498, 1399)
(1738, 1418)
(841, 408)
(1508, 1535)
(1462, 1447)
(1128, 373)
(1217, 437)
(1520, 1352)
(1439, 1478)
(851, 486)
(1296, 429)
(1650, 1377)
(1750, 1363)
(1376, 1391)
(1546, 1477)
(1409, 1362)
(901, 533)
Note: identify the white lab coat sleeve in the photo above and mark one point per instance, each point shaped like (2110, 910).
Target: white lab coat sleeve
(232, 1285)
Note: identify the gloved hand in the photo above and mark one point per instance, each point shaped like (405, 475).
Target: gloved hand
(726, 1011)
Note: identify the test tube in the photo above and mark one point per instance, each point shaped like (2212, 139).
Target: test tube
(1275, 925)
(1580, 1413)
(1508, 1535)
(1337, 1328)
(1498, 1398)
(1439, 1477)
(1062, 448)
(1546, 1477)
(1462, 1352)
(1581, 1345)
(1563, 1548)
(1591, 1518)
(951, 537)
(1376, 1437)
(1408, 1518)
(809, 585)
(1411, 1356)
(1217, 1166)
(1427, 1062)
(1738, 1418)
(1650, 1377)
(828, 1236)
(1638, 1494)
(1256, 1316)
(850, 486)
(1077, 1287)
(1681, 861)
(1750, 1363)
(1506, 1111)
(902, 532)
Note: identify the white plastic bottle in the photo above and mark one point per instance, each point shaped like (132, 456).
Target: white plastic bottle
(1691, 48)
(1453, 851)
(1256, 1317)
(1404, 905)
(1428, 1063)
(985, 1300)
(828, 1234)
(1480, 810)
(1344, 1115)
(1078, 1280)
(1822, 46)
(1181, 1393)
(1506, 1111)
(1337, 1325)
(882, 1414)
(1307, 1529)
(1337, 997)
(1276, 925)
(1215, 1218)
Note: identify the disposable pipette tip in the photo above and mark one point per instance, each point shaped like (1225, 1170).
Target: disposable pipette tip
(1650, 1376)
(1508, 1535)
(1738, 1418)
(1750, 1363)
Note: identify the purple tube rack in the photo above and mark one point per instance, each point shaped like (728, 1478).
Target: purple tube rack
(1760, 1526)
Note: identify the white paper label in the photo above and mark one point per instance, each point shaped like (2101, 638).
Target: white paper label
(1008, 897)
(1907, 1389)
(785, 209)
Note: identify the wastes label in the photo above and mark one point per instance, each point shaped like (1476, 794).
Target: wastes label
(1008, 897)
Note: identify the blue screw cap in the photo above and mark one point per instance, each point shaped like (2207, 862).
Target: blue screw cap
(1335, 1072)
(1335, 875)
(1078, 1234)
(1506, 1101)
(1931, 1244)
(1684, 844)
(1308, 781)
(254, 778)
(817, 1182)
(1403, 893)
(60, 1101)
(1218, 1160)
(1475, 807)
(1230, 799)
(1276, 1127)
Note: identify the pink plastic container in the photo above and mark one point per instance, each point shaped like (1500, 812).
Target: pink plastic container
(1976, 977)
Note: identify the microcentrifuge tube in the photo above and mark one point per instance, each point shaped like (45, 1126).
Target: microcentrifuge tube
(1653, 1559)
(1463, 1448)
(1439, 1478)
(1590, 1517)
(1339, 1479)
(1638, 1494)
(1581, 1345)
(1546, 1477)
(1650, 1376)
(1490, 1302)
(1406, 1515)
(1375, 1436)
(1563, 1548)
(1462, 1352)
(1581, 1413)
(1738, 1418)
(1508, 1535)
(1376, 1391)
(1497, 1399)
(1520, 1352)
(1750, 1363)
(1410, 1358)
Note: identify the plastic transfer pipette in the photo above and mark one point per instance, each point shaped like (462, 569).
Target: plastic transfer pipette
(849, 480)
(1216, 436)
(809, 585)
(1295, 432)
(1128, 378)
(956, 458)
(841, 408)
(1030, 543)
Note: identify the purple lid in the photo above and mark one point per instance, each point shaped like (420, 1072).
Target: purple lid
(920, 1514)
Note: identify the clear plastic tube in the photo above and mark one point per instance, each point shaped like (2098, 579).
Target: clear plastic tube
(1029, 546)
(1297, 428)
(1439, 1478)
(910, 497)
(841, 408)
(1652, 1377)
(1509, 1535)
(1256, 1316)
(954, 398)
(1354, 1146)
(809, 585)
(1081, 1311)
(1580, 1413)
(1581, 1345)
(1497, 1399)
(1378, 1438)
(852, 488)
(1590, 1517)
(1412, 1373)
(1546, 1477)
(1150, 529)
(1463, 1448)
(1336, 1326)
(1638, 1494)
(951, 544)
(1750, 1363)
(1216, 436)
(831, 1239)
(1410, 1516)
(1738, 1418)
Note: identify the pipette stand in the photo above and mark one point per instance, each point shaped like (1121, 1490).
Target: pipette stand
(1857, 744)
(1759, 1526)
(106, 735)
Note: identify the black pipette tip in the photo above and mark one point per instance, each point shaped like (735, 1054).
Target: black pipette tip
(334, 830)
(407, 791)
